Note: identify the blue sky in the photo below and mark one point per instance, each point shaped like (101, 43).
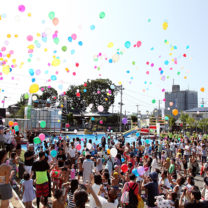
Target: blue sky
(124, 21)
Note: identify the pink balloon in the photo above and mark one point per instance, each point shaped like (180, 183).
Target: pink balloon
(78, 147)
(101, 122)
(67, 125)
(30, 38)
(42, 137)
(15, 124)
(139, 43)
(74, 36)
(21, 8)
(140, 170)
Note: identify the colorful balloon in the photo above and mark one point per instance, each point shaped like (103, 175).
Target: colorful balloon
(78, 147)
(113, 152)
(37, 140)
(127, 44)
(124, 121)
(53, 153)
(34, 88)
(124, 168)
(140, 170)
(135, 172)
(11, 123)
(175, 112)
(42, 137)
(51, 15)
(42, 124)
(102, 15)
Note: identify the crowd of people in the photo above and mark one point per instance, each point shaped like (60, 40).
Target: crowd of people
(78, 173)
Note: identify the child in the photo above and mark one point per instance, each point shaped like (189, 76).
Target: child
(55, 176)
(28, 190)
(64, 177)
(59, 201)
(73, 172)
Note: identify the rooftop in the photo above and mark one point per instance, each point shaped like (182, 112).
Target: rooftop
(204, 109)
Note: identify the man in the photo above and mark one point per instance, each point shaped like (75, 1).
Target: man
(72, 153)
(151, 185)
(29, 158)
(87, 166)
(40, 168)
(61, 157)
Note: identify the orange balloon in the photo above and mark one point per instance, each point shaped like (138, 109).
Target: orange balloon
(55, 21)
(202, 89)
(108, 152)
(175, 112)
(11, 123)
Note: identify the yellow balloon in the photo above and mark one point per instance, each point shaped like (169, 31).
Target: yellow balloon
(31, 47)
(34, 88)
(165, 26)
(110, 45)
(56, 62)
(175, 112)
(5, 69)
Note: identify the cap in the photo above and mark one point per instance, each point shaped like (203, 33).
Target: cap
(153, 176)
(115, 173)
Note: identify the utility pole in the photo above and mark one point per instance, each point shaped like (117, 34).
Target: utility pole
(121, 105)
(137, 109)
(202, 102)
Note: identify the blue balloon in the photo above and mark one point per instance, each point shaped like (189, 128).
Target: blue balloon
(53, 153)
(134, 171)
(137, 134)
(70, 39)
(31, 72)
(53, 77)
(147, 141)
(80, 43)
(92, 119)
(166, 62)
(85, 90)
(72, 51)
(92, 27)
(33, 79)
(110, 61)
(122, 160)
(127, 44)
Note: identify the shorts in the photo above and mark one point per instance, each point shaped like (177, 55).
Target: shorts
(5, 191)
(42, 190)
(204, 159)
(18, 146)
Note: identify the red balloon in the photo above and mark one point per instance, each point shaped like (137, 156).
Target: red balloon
(124, 168)
(67, 125)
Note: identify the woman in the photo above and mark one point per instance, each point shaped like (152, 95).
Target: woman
(5, 176)
(74, 186)
(164, 183)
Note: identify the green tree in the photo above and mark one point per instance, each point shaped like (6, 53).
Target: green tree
(75, 99)
(184, 118)
(172, 123)
(48, 94)
(99, 92)
(191, 122)
(203, 124)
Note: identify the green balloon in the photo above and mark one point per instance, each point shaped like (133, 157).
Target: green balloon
(153, 101)
(133, 63)
(16, 128)
(26, 96)
(102, 15)
(56, 41)
(64, 48)
(37, 140)
(42, 124)
(51, 15)
(83, 153)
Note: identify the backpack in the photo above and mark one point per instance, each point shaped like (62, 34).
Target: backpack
(129, 198)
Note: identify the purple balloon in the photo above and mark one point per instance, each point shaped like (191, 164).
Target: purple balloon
(140, 170)
(124, 120)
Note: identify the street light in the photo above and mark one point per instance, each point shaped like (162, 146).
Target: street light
(4, 100)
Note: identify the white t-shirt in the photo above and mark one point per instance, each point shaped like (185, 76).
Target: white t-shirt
(96, 189)
(72, 152)
(186, 150)
(105, 204)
